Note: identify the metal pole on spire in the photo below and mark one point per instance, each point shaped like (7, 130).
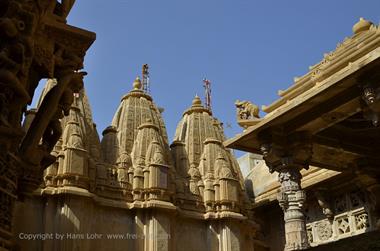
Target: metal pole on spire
(207, 86)
(145, 78)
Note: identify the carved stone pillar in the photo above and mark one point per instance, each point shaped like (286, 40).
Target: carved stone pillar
(291, 199)
(287, 155)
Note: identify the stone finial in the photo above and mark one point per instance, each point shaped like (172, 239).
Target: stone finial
(196, 101)
(362, 25)
(197, 107)
(137, 84)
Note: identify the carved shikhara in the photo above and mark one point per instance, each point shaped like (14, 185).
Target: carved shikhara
(133, 169)
(195, 178)
(352, 217)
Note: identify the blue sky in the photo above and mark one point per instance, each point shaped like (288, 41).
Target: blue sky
(249, 49)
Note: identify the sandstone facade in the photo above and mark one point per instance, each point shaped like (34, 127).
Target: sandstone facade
(133, 190)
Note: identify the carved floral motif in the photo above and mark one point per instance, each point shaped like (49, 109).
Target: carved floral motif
(361, 221)
(324, 230)
(351, 218)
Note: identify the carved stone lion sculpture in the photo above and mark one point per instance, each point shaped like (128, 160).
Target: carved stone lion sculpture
(247, 113)
(246, 110)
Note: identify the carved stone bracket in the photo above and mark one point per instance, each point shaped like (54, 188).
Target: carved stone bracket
(287, 155)
(370, 102)
(286, 151)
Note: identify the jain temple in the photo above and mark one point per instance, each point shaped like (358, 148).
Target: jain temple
(310, 179)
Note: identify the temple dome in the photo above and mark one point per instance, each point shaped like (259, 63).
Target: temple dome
(136, 108)
(195, 127)
(136, 145)
(204, 163)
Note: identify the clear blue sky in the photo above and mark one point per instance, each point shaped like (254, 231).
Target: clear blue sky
(249, 49)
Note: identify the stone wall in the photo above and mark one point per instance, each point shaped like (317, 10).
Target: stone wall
(75, 222)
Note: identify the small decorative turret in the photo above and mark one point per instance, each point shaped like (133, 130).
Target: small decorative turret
(75, 165)
(110, 145)
(209, 192)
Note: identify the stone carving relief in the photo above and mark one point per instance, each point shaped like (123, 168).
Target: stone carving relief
(361, 221)
(324, 230)
(343, 225)
(351, 218)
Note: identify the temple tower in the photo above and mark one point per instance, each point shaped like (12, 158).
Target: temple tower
(208, 178)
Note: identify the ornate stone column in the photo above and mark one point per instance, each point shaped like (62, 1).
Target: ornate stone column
(287, 155)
